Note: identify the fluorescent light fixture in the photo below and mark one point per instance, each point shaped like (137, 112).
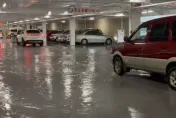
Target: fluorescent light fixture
(36, 19)
(91, 18)
(137, 1)
(119, 15)
(27, 20)
(47, 16)
(150, 11)
(21, 21)
(146, 12)
(49, 13)
(4, 5)
(63, 21)
(66, 12)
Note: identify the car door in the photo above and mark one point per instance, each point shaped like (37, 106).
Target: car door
(134, 47)
(99, 36)
(92, 36)
(155, 52)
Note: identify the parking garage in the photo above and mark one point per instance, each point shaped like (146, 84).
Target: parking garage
(63, 58)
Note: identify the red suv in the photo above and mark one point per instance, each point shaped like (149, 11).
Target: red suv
(151, 47)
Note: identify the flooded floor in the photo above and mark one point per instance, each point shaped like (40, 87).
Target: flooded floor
(76, 82)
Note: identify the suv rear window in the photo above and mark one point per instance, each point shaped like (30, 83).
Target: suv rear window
(33, 31)
(160, 32)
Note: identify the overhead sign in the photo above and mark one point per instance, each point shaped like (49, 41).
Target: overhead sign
(81, 10)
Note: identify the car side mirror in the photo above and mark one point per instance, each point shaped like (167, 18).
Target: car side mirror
(126, 39)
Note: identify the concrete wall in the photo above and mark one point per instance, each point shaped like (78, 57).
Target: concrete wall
(109, 26)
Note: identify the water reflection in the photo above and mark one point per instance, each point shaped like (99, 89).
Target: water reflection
(67, 65)
(5, 98)
(134, 113)
(87, 86)
(49, 72)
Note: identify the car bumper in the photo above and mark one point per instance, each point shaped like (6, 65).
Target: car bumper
(34, 41)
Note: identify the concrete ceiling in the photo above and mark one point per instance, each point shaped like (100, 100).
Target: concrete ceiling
(17, 10)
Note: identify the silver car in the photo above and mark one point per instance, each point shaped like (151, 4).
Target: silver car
(93, 36)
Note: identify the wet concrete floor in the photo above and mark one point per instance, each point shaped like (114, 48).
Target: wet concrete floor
(65, 82)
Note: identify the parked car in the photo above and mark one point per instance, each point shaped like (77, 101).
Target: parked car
(50, 32)
(66, 35)
(30, 37)
(57, 36)
(93, 36)
(152, 47)
(12, 33)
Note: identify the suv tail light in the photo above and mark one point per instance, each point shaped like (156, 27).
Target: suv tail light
(28, 35)
(41, 34)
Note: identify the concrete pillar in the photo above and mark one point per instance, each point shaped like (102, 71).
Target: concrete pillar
(28, 27)
(72, 30)
(135, 19)
(44, 33)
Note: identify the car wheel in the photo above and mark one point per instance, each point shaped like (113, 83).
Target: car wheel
(33, 44)
(108, 41)
(18, 43)
(84, 42)
(172, 78)
(118, 66)
(56, 39)
(23, 43)
(41, 44)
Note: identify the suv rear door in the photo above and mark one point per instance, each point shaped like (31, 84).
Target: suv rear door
(155, 50)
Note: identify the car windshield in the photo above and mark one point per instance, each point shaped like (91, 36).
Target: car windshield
(33, 31)
(67, 32)
(80, 31)
(13, 30)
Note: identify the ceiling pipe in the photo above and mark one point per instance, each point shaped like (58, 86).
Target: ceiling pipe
(155, 4)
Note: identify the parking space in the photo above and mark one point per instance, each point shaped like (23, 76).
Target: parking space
(63, 81)
(87, 59)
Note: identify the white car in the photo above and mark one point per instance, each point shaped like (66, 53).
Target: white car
(57, 36)
(66, 35)
(93, 36)
(30, 37)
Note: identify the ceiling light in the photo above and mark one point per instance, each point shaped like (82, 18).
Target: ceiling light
(66, 12)
(91, 18)
(26, 20)
(137, 1)
(49, 13)
(36, 19)
(146, 12)
(21, 21)
(150, 11)
(4, 5)
(119, 15)
(63, 21)
(47, 16)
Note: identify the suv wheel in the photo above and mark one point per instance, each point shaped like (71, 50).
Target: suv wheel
(41, 44)
(109, 41)
(84, 42)
(118, 66)
(34, 44)
(23, 43)
(18, 43)
(172, 78)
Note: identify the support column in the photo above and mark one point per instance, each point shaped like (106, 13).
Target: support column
(72, 31)
(44, 33)
(135, 19)
(28, 26)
